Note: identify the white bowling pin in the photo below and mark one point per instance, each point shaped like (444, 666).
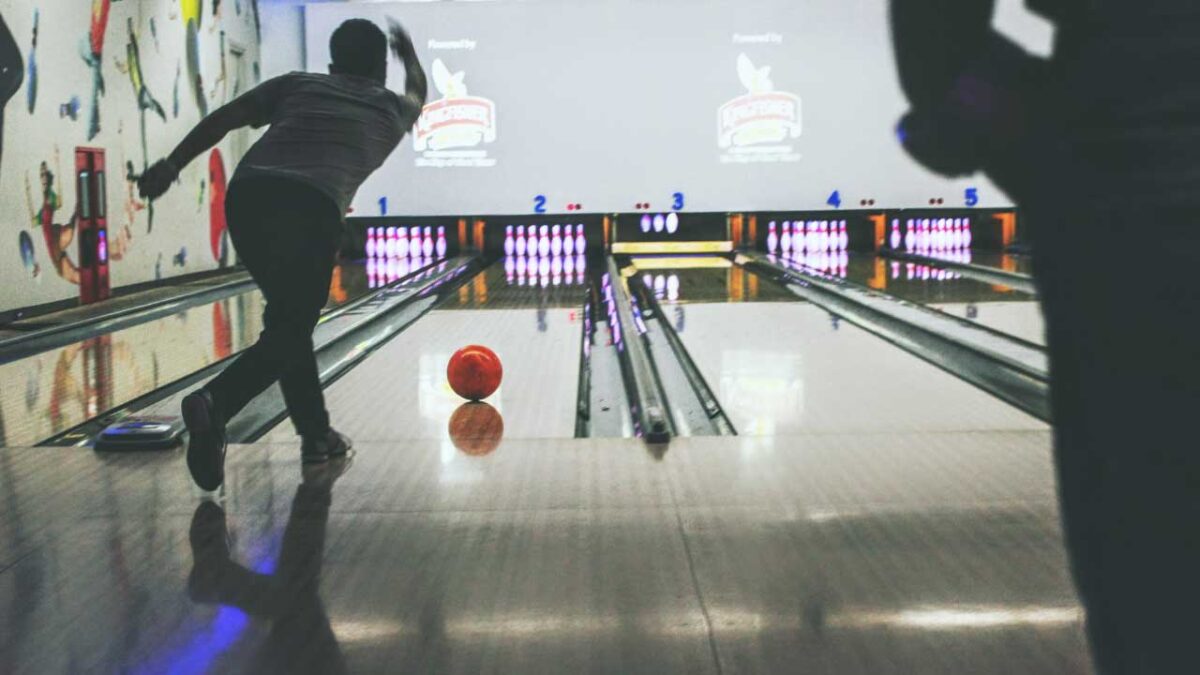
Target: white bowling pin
(556, 240)
(772, 237)
(580, 240)
(440, 246)
(509, 244)
(544, 240)
(520, 243)
(785, 242)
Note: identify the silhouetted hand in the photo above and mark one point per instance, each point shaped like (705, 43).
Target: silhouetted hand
(399, 39)
(157, 179)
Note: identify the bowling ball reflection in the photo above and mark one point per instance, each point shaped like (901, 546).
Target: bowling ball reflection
(476, 429)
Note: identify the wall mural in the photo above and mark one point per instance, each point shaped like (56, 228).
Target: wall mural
(93, 56)
(53, 54)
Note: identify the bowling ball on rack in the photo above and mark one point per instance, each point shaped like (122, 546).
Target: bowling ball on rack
(476, 429)
(474, 372)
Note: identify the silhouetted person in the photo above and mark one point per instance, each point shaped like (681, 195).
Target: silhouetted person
(285, 210)
(1100, 146)
(300, 639)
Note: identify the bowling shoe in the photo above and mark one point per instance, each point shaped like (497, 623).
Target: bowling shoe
(206, 440)
(317, 449)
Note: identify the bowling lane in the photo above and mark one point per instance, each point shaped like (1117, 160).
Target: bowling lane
(997, 307)
(55, 390)
(780, 365)
(534, 324)
(1005, 262)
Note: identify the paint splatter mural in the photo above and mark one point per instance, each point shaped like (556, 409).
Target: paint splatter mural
(191, 13)
(12, 74)
(145, 102)
(57, 58)
(31, 77)
(216, 207)
(93, 55)
(58, 236)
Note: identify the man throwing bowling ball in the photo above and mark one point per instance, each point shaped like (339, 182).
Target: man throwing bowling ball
(285, 208)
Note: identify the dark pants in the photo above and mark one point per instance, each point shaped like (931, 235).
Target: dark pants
(286, 233)
(1121, 296)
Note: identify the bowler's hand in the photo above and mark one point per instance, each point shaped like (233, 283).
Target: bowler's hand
(157, 179)
(398, 38)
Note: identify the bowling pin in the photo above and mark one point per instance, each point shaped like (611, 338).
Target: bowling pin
(427, 242)
(568, 242)
(414, 244)
(895, 238)
(659, 222)
(910, 237)
(772, 237)
(967, 233)
(580, 240)
(509, 245)
(389, 246)
(556, 247)
(672, 222)
(785, 244)
(441, 245)
(673, 287)
(843, 236)
(645, 222)
(370, 242)
(402, 242)
(520, 243)
(544, 241)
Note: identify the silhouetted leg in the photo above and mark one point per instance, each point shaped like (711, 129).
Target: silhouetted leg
(286, 235)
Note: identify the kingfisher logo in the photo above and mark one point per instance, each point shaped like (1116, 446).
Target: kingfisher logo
(451, 129)
(756, 126)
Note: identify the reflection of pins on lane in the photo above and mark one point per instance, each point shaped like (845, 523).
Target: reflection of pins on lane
(556, 266)
(556, 240)
(580, 266)
(672, 222)
(520, 243)
(543, 267)
(659, 222)
(569, 264)
(510, 266)
(521, 266)
(580, 240)
(509, 244)
(543, 248)
(772, 237)
(440, 246)
(645, 223)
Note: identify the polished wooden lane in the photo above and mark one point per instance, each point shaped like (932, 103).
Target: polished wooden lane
(827, 553)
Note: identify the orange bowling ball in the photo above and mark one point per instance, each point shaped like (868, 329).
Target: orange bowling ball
(476, 429)
(474, 372)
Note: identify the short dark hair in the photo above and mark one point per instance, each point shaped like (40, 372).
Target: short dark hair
(358, 47)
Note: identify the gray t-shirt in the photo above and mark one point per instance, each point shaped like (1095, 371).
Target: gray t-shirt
(328, 131)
